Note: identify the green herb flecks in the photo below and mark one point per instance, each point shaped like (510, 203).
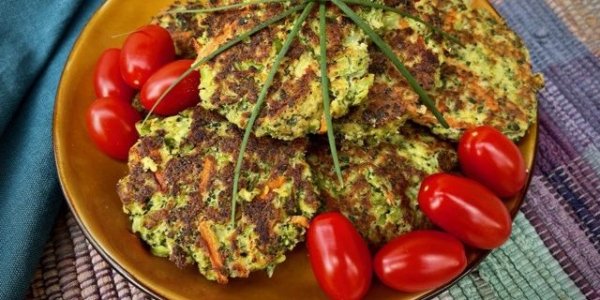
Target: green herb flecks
(387, 51)
(224, 7)
(408, 16)
(261, 99)
(307, 6)
(224, 47)
(325, 90)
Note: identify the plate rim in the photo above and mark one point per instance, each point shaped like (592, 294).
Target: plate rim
(58, 165)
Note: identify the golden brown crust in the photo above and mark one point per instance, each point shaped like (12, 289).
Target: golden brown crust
(193, 184)
(381, 181)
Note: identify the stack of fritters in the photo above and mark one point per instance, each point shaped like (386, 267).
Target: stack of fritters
(178, 192)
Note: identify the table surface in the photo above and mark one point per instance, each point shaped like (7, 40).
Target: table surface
(554, 251)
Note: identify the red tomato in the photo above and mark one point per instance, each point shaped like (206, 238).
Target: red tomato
(144, 52)
(111, 125)
(488, 156)
(420, 261)
(339, 257)
(182, 96)
(465, 209)
(108, 81)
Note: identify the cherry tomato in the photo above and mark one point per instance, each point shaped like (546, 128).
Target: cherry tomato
(339, 257)
(488, 156)
(111, 125)
(108, 81)
(144, 52)
(465, 209)
(182, 96)
(420, 261)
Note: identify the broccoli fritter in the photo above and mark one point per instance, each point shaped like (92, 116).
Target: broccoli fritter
(488, 80)
(179, 188)
(232, 82)
(381, 181)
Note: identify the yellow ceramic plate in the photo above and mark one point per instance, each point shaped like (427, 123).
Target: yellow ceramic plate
(88, 178)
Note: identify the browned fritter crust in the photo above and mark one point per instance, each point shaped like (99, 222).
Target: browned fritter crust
(178, 195)
(182, 27)
(231, 82)
(293, 106)
(381, 181)
(488, 80)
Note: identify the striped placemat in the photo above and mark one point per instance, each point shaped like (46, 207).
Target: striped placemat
(71, 268)
(554, 251)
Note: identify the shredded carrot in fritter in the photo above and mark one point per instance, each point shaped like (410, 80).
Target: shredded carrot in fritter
(300, 220)
(213, 248)
(272, 185)
(160, 178)
(323, 127)
(208, 167)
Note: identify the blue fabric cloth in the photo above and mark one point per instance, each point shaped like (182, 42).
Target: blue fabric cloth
(35, 40)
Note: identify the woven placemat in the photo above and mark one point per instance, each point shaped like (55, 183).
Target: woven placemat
(554, 252)
(71, 268)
